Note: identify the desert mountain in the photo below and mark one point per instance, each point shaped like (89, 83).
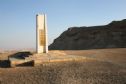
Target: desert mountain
(112, 35)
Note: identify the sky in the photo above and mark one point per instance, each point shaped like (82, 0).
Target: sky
(18, 18)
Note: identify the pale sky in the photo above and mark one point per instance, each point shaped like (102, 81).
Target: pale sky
(18, 25)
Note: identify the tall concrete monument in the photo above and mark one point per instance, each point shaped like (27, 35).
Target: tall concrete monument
(41, 34)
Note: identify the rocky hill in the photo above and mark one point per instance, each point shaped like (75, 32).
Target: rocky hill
(112, 35)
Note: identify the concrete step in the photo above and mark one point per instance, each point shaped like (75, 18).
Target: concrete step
(39, 59)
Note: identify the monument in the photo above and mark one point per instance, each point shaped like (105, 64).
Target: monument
(41, 34)
(41, 48)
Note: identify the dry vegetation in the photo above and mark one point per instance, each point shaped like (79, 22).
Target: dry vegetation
(108, 67)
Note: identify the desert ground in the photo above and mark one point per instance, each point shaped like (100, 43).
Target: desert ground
(101, 66)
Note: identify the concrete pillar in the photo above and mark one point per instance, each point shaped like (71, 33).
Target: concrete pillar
(41, 34)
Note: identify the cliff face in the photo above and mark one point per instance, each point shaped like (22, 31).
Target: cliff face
(112, 35)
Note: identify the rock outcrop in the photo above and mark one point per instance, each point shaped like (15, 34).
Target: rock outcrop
(112, 35)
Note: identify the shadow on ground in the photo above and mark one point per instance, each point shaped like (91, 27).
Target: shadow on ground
(20, 55)
(4, 64)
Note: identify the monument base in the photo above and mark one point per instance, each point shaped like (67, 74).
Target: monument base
(41, 59)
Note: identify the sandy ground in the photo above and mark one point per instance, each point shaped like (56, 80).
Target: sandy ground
(107, 67)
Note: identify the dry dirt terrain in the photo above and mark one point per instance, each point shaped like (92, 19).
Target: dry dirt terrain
(101, 66)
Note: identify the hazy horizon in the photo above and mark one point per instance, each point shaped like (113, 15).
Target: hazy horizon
(18, 18)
